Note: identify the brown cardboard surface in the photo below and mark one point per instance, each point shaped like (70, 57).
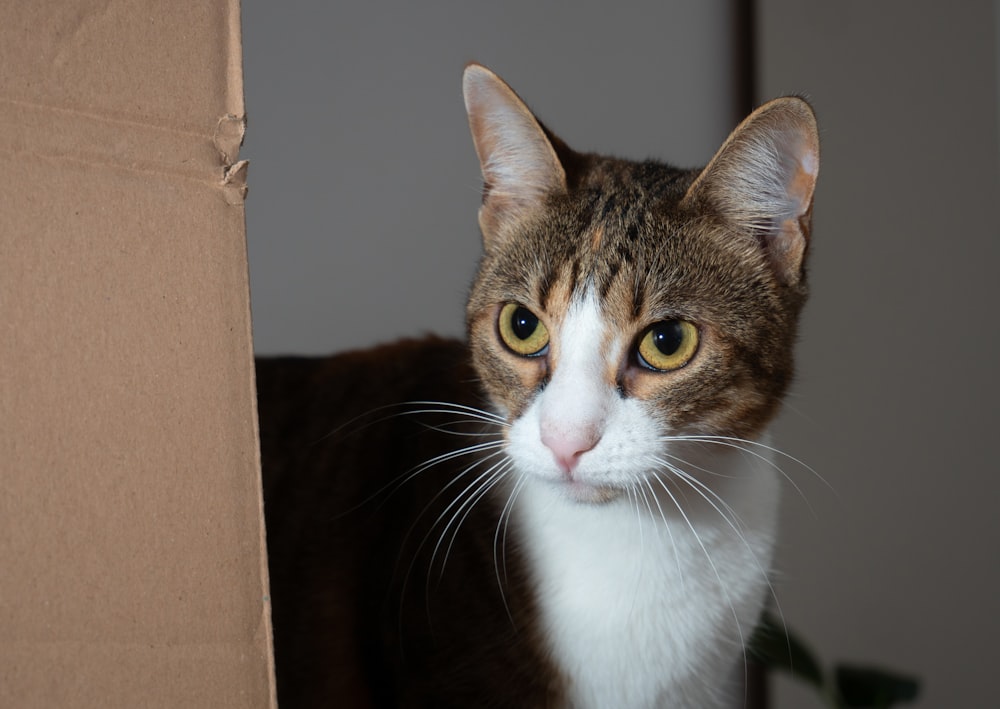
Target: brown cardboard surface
(132, 567)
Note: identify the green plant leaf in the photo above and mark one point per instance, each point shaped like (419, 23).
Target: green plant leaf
(869, 687)
(778, 648)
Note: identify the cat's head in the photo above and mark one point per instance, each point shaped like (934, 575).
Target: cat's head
(619, 303)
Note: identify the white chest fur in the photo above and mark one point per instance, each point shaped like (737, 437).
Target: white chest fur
(646, 602)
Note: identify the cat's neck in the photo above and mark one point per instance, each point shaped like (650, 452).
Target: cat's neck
(630, 591)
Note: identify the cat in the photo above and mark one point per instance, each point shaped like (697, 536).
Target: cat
(575, 506)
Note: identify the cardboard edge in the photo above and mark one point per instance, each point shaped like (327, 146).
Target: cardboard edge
(236, 173)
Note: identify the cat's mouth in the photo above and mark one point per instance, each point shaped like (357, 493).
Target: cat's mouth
(585, 493)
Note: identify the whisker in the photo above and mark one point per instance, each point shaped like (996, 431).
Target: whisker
(746, 446)
(504, 522)
(453, 481)
(444, 407)
(735, 523)
(416, 553)
(401, 480)
(632, 491)
(711, 563)
(704, 490)
(472, 415)
(483, 484)
(666, 525)
(443, 428)
(743, 443)
(491, 476)
(451, 455)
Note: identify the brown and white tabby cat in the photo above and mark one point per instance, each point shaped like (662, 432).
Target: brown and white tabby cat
(576, 507)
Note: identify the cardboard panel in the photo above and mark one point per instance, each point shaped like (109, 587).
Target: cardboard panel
(131, 538)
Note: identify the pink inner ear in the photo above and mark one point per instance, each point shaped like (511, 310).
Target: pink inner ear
(789, 243)
(786, 248)
(803, 181)
(519, 165)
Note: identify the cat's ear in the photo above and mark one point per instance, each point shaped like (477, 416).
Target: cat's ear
(519, 164)
(762, 181)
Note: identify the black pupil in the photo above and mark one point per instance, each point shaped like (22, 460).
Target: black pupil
(523, 323)
(668, 336)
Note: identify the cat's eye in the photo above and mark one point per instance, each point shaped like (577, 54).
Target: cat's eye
(668, 345)
(522, 331)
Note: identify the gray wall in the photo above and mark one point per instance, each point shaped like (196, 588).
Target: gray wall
(361, 224)
(364, 184)
(897, 399)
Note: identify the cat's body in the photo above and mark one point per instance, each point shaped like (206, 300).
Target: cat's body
(577, 507)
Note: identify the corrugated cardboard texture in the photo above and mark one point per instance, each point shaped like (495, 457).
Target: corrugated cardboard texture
(132, 569)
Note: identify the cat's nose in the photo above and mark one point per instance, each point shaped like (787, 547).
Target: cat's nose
(568, 445)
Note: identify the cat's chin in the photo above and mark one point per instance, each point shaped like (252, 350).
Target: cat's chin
(585, 493)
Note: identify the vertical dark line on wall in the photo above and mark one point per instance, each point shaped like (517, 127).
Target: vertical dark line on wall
(744, 42)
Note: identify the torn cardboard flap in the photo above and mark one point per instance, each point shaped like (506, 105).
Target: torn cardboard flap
(131, 532)
(235, 180)
(229, 137)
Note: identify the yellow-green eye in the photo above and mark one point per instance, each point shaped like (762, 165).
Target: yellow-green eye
(668, 345)
(522, 331)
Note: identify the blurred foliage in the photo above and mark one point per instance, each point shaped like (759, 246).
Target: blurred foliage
(846, 686)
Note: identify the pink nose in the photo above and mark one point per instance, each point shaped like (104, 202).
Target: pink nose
(568, 446)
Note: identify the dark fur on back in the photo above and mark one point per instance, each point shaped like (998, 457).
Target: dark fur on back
(361, 616)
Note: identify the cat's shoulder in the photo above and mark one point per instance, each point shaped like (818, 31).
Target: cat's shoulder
(402, 356)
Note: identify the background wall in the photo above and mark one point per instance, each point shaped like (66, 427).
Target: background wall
(362, 227)
(364, 183)
(897, 399)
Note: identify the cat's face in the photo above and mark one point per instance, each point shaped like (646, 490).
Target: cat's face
(620, 306)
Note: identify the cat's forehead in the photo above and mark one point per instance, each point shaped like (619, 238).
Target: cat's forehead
(622, 233)
(621, 192)
(623, 236)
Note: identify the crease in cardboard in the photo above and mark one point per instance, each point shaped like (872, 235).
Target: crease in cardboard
(51, 132)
